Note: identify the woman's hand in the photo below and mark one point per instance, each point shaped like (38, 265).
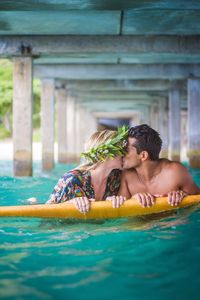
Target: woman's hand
(117, 201)
(81, 203)
(175, 197)
(144, 199)
(52, 200)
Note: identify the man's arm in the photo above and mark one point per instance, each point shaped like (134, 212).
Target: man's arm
(186, 183)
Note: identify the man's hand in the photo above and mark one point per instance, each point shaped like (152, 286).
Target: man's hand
(82, 204)
(175, 197)
(117, 201)
(144, 199)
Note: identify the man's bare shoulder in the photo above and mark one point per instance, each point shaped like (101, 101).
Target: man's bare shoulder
(172, 166)
(181, 177)
(175, 170)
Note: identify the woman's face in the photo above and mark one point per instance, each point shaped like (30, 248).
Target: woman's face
(115, 163)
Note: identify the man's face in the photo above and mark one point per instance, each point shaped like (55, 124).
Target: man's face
(132, 159)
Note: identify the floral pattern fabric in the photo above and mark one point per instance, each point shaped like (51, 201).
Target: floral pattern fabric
(77, 183)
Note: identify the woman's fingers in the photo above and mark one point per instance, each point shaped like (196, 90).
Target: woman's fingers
(112, 199)
(76, 203)
(121, 200)
(82, 204)
(117, 201)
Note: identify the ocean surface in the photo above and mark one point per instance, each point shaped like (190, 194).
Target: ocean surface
(155, 257)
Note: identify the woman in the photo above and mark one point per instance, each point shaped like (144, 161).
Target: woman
(99, 177)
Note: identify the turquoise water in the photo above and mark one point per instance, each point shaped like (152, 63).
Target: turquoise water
(142, 258)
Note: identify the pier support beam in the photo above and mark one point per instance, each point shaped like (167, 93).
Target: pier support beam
(163, 126)
(47, 123)
(145, 115)
(184, 134)
(61, 98)
(193, 122)
(71, 129)
(22, 116)
(92, 124)
(80, 130)
(154, 116)
(135, 119)
(174, 124)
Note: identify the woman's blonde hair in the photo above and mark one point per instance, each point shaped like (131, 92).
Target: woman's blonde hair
(97, 139)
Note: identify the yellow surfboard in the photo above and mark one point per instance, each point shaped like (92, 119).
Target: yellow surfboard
(99, 209)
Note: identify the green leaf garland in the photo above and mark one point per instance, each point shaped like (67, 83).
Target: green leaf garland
(112, 148)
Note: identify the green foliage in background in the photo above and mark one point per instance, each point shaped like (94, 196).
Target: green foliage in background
(6, 92)
(36, 103)
(5, 98)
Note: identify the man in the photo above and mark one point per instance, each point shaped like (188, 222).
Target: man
(146, 176)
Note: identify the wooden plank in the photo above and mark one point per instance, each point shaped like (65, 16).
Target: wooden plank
(119, 85)
(96, 5)
(164, 58)
(113, 108)
(59, 22)
(144, 58)
(125, 114)
(79, 58)
(118, 95)
(161, 21)
(122, 71)
(57, 44)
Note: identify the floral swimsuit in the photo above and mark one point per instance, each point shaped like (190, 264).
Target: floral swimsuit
(77, 183)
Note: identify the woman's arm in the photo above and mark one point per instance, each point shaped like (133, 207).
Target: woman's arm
(60, 190)
(70, 188)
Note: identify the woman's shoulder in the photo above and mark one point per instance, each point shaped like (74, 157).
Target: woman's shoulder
(73, 175)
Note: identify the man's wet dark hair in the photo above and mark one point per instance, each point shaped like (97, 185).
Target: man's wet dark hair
(148, 140)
